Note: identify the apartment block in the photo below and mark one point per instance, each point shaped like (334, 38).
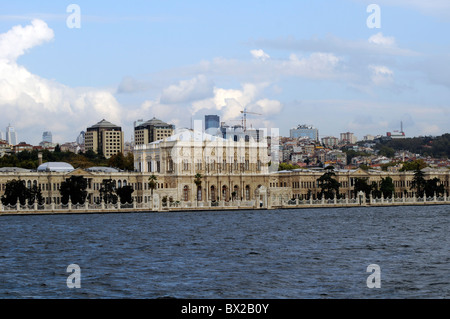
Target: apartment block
(104, 137)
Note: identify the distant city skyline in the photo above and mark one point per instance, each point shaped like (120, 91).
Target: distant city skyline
(293, 62)
(308, 131)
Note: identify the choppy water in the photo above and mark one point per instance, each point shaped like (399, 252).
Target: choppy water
(308, 253)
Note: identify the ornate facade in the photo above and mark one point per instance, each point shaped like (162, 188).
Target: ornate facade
(194, 167)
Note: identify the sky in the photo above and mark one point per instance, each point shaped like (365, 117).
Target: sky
(341, 66)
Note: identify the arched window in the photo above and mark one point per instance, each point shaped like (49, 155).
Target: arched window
(213, 193)
(224, 193)
(247, 192)
(119, 184)
(236, 193)
(199, 193)
(186, 193)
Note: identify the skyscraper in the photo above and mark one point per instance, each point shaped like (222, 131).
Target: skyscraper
(47, 137)
(305, 131)
(212, 121)
(80, 138)
(151, 131)
(104, 137)
(11, 135)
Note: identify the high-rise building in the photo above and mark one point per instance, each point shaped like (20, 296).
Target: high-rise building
(348, 138)
(305, 131)
(212, 121)
(11, 135)
(237, 132)
(47, 137)
(151, 131)
(330, 141)
(104, 137)
(80, 138)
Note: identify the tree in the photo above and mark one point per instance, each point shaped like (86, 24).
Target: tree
(117, 161)
(75, 189)
(418, 182)
(413, 165)
(375, 191)
(15, 190)
(287, 167)
(361, 185)
(387, 187)
(35, 195)
(129, 162)
(329, 186)
(108, 191)
(198, 182)
(124, 194)
(152, 180)
(434, 186)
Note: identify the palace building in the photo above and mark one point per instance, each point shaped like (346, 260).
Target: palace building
(195, 167)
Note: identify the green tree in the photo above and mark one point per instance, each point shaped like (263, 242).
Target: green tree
(413, 165)
(361, 185)
(387, 187)
(75, 189)
(375, 191)
(15, 190)
(418, 183)
(434, 186)
(125, 194)
(287, 167)
(117, 161)
(35, 195)
(129, 162)
(152, 180)
(329, 186)
(198, 182)
(108, 191)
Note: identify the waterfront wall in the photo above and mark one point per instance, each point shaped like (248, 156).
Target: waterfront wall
(158, 206)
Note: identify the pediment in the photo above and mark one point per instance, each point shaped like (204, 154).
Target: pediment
(79, 172)
(360, 171)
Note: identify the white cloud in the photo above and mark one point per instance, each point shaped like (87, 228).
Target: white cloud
(193, 89)
(381, 75)
(268, 107)
(18, 40)
(33, 104)
(377, 44)
(260, 55)
(379, 39)
(230, 102)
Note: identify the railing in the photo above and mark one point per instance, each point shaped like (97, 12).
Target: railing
(274, 202)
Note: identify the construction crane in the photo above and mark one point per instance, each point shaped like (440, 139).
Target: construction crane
(244, 118)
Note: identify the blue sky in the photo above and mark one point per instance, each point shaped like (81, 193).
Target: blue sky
(294, 62)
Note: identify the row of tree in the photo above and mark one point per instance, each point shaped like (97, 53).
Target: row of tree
(330, 186)
(73, 189)
(428, 146)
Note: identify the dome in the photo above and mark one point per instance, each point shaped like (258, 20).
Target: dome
(14, 170)
(102, 169)
(55, 167)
